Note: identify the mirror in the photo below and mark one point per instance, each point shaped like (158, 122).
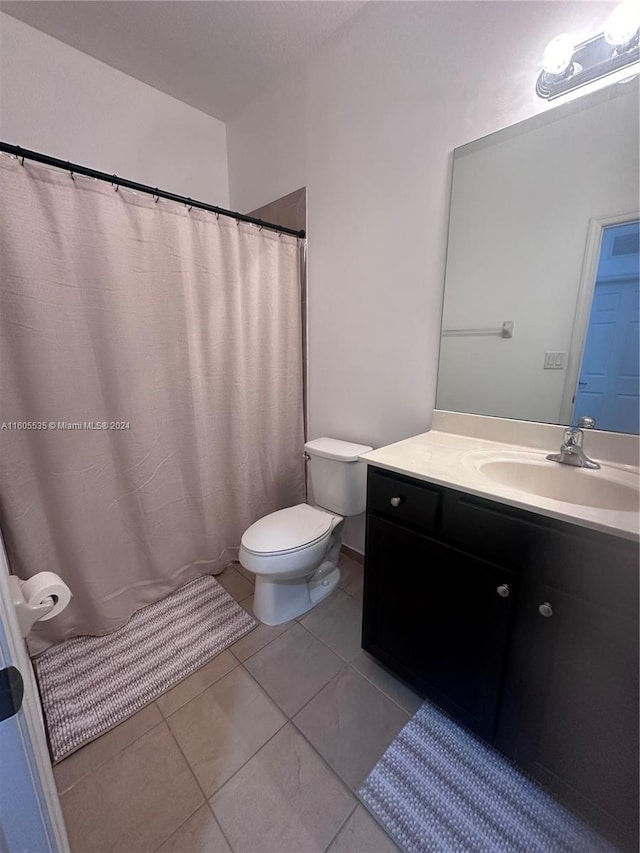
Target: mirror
(543, 220)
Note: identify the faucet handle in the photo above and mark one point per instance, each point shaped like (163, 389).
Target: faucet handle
(573, 437)
(586, 422)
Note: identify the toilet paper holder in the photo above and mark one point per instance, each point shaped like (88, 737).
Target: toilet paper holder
(35, 605)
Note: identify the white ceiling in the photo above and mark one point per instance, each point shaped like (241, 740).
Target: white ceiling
(214, 54)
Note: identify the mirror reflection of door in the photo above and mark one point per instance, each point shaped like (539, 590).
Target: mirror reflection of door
(609, 381)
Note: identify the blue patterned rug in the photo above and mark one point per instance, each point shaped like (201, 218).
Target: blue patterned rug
(439, 789)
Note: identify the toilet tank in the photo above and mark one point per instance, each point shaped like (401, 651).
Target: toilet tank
(338, 478)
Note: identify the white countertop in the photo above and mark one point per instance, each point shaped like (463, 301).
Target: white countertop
(447, 460)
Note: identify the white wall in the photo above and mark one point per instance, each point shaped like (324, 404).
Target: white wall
(520, 212)
(59, 101)
(369, 125)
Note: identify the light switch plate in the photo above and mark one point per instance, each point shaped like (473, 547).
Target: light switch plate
(554, 360)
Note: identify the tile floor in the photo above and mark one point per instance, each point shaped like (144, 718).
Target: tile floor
(260, 751)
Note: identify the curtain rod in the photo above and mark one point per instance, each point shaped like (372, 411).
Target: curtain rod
(74, 168)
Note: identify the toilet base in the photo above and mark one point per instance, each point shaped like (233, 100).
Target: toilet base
(279, 601)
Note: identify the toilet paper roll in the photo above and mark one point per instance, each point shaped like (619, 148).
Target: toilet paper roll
(44, 585)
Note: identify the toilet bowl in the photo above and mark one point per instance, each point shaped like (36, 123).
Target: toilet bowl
(293, 552)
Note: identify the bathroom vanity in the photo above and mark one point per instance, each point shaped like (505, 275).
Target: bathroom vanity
(503, 585)
(514, 612)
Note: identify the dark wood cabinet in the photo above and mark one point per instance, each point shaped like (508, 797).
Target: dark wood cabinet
(439, 620)
(569, 712)
(523, 628)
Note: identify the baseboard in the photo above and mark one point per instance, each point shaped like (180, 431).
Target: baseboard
(353, 554)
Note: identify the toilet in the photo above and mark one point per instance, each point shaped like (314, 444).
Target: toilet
(294, 552)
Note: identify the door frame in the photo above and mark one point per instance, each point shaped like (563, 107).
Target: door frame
(31, 707)
(583, 305)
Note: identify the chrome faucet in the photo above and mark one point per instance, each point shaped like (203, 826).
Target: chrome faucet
(571, 452)
(586, 422)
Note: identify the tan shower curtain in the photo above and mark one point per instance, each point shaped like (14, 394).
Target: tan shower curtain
(179, 332)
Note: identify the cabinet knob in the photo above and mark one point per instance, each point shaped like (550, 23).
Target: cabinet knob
(503, 590)
(545, 609)
(396, 501)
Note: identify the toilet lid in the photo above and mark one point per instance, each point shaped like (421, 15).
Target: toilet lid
(287, 529)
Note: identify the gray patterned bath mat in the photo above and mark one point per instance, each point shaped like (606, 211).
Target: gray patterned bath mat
(90, 684)
(439, 789)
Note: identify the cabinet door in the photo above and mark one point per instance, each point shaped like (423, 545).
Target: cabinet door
(573, 689)
(434, 615)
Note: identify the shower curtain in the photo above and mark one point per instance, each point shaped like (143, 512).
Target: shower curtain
(150, 390)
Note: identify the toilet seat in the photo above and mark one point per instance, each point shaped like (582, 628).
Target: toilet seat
(288, 530)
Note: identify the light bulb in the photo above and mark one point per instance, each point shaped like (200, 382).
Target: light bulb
(557, 55)
(622, 24)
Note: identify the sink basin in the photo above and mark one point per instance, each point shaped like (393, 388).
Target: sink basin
(609, 488)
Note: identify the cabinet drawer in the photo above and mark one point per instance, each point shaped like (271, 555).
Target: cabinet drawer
(587, 563)
(403, 500)
(488, 529)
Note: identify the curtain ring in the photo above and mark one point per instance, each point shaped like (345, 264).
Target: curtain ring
(190, 203)
(157, 196)
(115, 185)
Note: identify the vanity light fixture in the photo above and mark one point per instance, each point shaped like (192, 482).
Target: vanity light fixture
(567, 65)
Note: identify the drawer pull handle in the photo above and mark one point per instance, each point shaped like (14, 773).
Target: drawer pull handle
(503, 590)
(396, 501)
(545, 609)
